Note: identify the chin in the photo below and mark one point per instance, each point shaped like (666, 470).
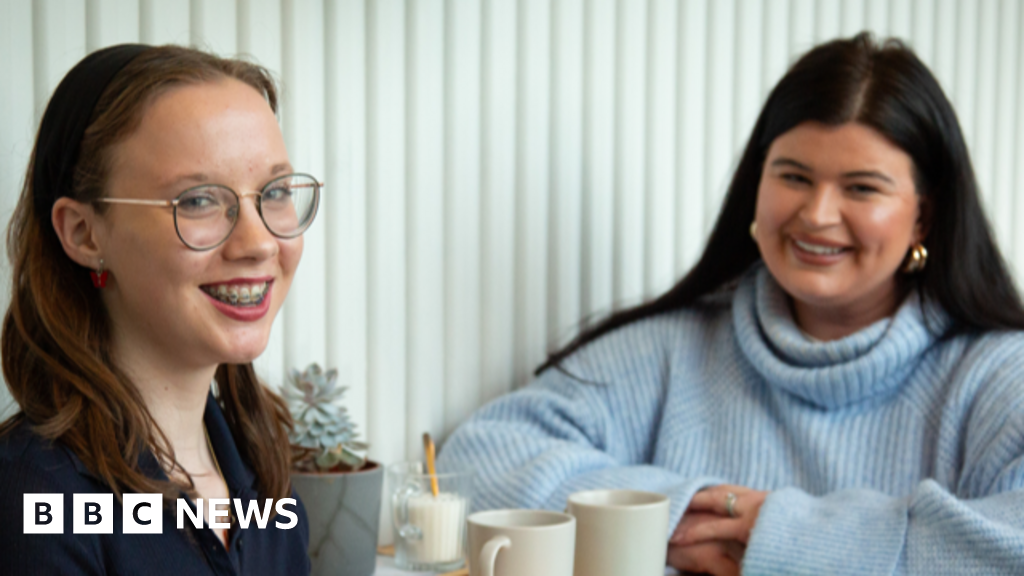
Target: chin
(816, 291)
(240, 357)
(819, 300)
(243, 352)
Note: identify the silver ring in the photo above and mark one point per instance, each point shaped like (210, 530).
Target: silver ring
(730, 504)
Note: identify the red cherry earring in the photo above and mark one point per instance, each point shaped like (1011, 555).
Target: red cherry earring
(99, 276)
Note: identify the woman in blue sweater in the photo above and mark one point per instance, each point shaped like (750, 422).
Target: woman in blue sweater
(837, 386)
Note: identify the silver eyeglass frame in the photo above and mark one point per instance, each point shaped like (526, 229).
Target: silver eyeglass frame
(259, 207)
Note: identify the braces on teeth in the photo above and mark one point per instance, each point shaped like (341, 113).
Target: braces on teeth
(243, 294)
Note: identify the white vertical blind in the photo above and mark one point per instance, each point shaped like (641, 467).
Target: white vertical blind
(499, 170)
(167, 22)
(564, 265)
(599, 145)
(387, 329)
(17, 120)
(459, 232)
(1005, 111)
(718, 118)
(426, 216)
(533, 179)
(111, 22)
(347, 237)
(1016, 155)
(692, 106)
(631, 151)
(662, 143)
(499, 133)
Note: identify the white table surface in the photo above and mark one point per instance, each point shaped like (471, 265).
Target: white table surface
(386, 567)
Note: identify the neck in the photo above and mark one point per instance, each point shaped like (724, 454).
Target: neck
(834, 322)
(175, 397)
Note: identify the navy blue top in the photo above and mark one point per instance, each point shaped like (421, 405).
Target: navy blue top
(30, 464)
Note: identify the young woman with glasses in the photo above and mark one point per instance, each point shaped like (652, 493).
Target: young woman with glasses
(837, 386)
(157, 234)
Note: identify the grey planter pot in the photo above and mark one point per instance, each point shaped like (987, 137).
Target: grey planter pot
(344, 513)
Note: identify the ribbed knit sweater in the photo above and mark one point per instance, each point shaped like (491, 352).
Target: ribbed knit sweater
(890, 451)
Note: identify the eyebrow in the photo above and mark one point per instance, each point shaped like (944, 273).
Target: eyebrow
(855, 174)
(197, 177)
(791, 162)
(278, 168)
(870, 174)
(202, 178)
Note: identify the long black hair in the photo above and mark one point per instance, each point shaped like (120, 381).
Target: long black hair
(889, 89)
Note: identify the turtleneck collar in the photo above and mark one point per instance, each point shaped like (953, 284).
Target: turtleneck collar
(871, 362)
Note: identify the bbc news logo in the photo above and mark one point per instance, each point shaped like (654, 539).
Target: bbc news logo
(143, 514)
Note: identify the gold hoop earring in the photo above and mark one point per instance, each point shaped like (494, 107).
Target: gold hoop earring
(917, 259)
(753, 230)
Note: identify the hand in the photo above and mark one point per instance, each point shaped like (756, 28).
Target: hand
(720, 558)
(712, 501)
(707, 539)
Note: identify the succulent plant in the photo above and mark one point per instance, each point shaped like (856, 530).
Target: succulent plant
(322, 424)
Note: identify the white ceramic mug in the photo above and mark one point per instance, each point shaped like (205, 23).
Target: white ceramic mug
(620, 532)
(521, 543)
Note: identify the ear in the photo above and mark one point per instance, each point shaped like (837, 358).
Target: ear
(75, 224)
(924, 219)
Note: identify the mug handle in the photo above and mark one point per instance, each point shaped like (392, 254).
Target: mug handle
(489, 553)
(400, 512)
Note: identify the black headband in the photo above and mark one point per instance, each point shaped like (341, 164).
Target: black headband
(66, 118)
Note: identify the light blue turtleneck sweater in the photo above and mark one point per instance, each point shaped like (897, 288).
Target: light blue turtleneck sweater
(889, 451)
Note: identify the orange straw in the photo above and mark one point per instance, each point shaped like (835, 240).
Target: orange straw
(428, 447)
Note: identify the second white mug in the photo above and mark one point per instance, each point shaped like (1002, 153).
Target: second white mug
(620, 532)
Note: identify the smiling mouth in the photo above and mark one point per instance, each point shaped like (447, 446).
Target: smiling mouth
(818, 249)
(240, 295)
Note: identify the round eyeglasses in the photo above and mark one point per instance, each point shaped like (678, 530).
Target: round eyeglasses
(205, 215)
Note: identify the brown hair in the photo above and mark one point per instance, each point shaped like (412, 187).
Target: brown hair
(56, 343)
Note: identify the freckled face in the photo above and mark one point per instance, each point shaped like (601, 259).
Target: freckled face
(159, 292)
(837, 211)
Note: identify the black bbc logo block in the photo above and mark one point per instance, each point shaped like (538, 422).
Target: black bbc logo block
(43, 514)
(91, 514)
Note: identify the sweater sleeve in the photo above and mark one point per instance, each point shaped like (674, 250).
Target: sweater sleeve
(590, 426)
(973, 526)
(866, 532)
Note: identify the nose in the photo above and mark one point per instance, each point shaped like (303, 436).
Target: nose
(250, 239)
(822, 207)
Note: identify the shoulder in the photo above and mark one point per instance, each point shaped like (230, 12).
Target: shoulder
(649, 343)
(30, 462)
(995, 344)
(975, 379)
(983, 408)
(958, 371)
(988, 362)
(994, 366)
